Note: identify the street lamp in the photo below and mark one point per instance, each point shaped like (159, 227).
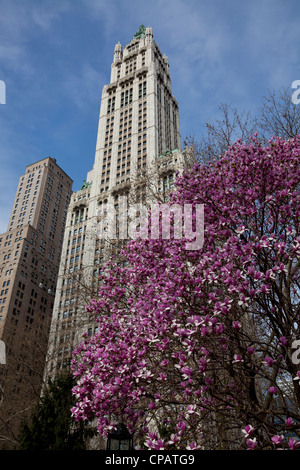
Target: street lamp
(120, 438)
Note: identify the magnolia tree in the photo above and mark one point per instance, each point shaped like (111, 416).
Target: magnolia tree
(199, 349)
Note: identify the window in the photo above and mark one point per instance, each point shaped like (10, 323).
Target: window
(126, 97)
(142, 89)
(111, 105)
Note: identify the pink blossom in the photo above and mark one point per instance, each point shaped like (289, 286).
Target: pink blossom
(293, 444)
(277, 439)
(237, 358)
(251, 443)
(168, 336)
(174, 438)
(297, 376)
(269, 361)
(289, 422)
(248, 430)
(192, 446)
(181, 425)
(283, 340)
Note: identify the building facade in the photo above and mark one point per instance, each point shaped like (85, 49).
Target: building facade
(30, 253)
(138, 152)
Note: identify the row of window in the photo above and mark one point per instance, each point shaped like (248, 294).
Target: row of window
(126, 97)
(130, 64)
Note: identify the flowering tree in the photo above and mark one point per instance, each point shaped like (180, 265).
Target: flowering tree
(196, 348)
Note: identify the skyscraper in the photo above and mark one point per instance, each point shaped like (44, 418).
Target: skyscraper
(30, 254)
(137, 154)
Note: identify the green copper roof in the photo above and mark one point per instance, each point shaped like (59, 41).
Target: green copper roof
(140, 33)
(85, 185)
(168, 152)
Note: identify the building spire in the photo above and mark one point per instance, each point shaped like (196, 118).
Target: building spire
(149, 35)
(118, 52)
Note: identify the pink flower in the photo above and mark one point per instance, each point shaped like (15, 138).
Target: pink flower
(237, 358)
(297, 376)
(173, 439)
(272, 390)
(236, 325)
(162, 376)
(283, 340)
(251, 443)
(293, 444)
(251, 350)
(159, 445)
(181, 425)
(192, 446)
(277, 439)
(265, 289)
(269, 361)
(208, 381)
(248, 430)
(289, 422)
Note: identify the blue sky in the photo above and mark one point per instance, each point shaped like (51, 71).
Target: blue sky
(55, 58)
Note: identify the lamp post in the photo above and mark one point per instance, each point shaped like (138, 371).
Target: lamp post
(120, 439)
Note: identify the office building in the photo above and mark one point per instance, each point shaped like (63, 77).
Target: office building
(30, 253)
(138, 152)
